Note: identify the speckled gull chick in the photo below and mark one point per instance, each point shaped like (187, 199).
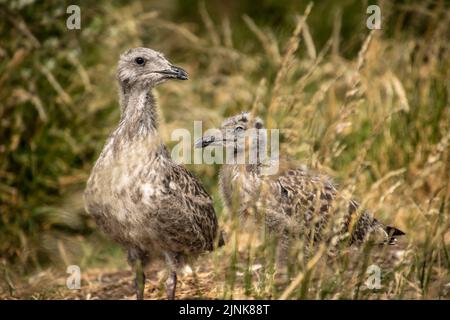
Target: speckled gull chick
(295, 201)
(137, 195)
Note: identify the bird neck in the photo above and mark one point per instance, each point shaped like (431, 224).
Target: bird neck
(251, 159)
(242, 169)
(138, 111)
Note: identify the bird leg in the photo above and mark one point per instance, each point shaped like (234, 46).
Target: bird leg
(280, 256)
(171, 285)
(138, 260)
(174, 262)
(139, 280)
(282, 251)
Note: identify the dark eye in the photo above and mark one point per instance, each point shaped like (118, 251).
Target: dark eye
(139, 61)
(239, 129)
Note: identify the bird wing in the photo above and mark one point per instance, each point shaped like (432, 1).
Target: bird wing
(303, 196)
(316, 193)
(306, 186)
(187, 215)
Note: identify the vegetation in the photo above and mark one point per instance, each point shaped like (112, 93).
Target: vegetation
(368, 107)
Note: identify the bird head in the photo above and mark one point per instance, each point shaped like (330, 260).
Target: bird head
(233, 132)
(146, 67)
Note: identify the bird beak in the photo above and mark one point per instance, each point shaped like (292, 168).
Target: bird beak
(207, 141)
(175, 73)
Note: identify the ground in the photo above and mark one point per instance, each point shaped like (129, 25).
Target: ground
(207, 282)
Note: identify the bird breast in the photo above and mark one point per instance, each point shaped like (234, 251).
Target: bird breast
(236, 183)
(123, 185)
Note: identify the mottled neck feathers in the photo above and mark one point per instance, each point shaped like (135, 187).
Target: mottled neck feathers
(138, 117)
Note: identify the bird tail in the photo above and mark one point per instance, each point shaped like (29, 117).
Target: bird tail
(393, 233)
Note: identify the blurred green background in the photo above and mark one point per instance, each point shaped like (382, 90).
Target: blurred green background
(58, 97)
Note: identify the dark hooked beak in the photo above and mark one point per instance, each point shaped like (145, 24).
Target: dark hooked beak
(204, 141)
(175, 73)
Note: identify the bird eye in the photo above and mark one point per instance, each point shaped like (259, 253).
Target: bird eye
(139, 61)
(239, 129)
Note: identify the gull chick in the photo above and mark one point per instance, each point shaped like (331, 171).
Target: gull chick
(137, 195)
(294, 201)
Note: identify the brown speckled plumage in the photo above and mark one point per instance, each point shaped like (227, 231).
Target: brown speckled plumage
(137, 195)
(295, 201)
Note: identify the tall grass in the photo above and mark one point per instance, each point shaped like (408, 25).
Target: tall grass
(370, 108)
